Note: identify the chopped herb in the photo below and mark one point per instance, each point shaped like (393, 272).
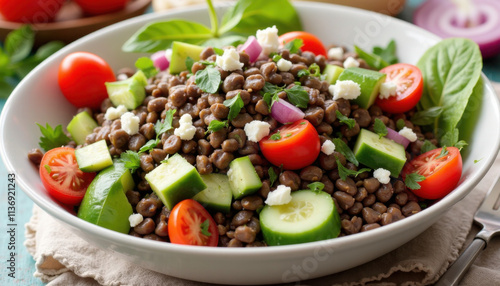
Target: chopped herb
(272, 176)
(294, 46)
(443, 153)
(373, 60)
(411, 181)
(235, 105)
(166, 159)
(400, 124)
(208, 79)
(52, 138)
(276, 58)
(303, 72)
(189, 63)
(343, 149)
(302, 123)
(271, 88)
(388, 53)
(426, 117)
(297, 96)
(207, 63)
(288, 134)
(131, 160)
(215, 125)
(379, 128)
(147, 66)
(314, 70)
(427, 146)
(218, 51)
(461, 144)
(350, 122)
(47, 167)
(477, 161)
(276, 136)
(149, 145)
(423, 205)
(270, 99)
(344, 172)
(204, 228)
(316, 186)
(160, 127)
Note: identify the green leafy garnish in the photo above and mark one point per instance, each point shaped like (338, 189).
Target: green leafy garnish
(388, 54)
(239, 21)
(426, 117)
(208, 79)
(379, 128)
(52, 138)
(427, 146)
(344, 172)
(450, 138)
(218, 51)
(461, 144)
(131, 160)
(443, 152)
(166, 159)
(477, 160)
(272, 175)
(412, 179)
(189, 63)
(350, 122)
(215, 125)
(151, 144)
(160, 128)
(276, 58)
(316, 186)
(276, 136)
(288, 134)
(47, 168)
(313, 70)
(146, 65)
(204, 228)
(297, 96)
(400, 124)
(17, 59)
(380, 57)
(294, 45)
(343, 149)
(235, 105)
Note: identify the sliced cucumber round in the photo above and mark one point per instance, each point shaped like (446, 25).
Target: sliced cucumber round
(309, 216)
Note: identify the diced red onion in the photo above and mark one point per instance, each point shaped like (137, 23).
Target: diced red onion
(396, 137)
(285, 112)
(160, 60)
(481, 24)
(252, 48)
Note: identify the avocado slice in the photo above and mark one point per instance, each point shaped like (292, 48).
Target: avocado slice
(180, 52)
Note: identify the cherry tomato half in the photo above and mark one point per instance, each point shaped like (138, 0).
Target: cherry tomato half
(311, 42)
(61, 176)
(30, 11)
(98, 7)
(81, 79)
(296, 146)
(441, 173)
(408, 79)
(190, 223)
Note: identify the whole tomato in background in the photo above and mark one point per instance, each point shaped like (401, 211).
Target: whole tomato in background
(98, 7)
(30, 11)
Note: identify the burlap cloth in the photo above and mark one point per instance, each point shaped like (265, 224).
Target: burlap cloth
(64, 259)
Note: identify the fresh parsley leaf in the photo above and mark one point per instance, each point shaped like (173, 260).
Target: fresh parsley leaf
(47, 168)
(297, 96)
(166, 125)
(316, 186)
(412, 179)
(276, 136)
(208, 79)
(215, 125)
(52, 138)
(294, 45)
(400, 124)
(379, 128)
(461, 144)
(218, 51)
(350, 122)
(288, 134)
(272, 176)
(276, 58)
(235, 105)
(343, 149)
(271, 88)
(388, 53)
(426, 117)
(131, 159)
(303, 72)
(344, 172)
(443, 152)
(149, 145)
(189, 63)
(427, 146)
(204, 228)
(147, 66)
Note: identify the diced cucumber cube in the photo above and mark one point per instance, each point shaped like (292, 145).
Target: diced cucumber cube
(80, 126)
(369, 81)
(130, 92)
(94, 157)
(243, 178)
(332, 73)
(180, 52)
(218, 195)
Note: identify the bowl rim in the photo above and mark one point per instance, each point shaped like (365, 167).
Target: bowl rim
(285, 250)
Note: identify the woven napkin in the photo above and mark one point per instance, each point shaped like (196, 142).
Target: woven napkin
(65, 259)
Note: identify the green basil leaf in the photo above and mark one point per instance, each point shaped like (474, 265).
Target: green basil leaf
(426, 117)
(372, 60)
(297, 96)
(216, 125)
(235, 105)
(271, 88)
(350, 122)
(388, 54)
(160, 35)
(218, 51)
(48, 49)
(379, 128)
(427, 146)
(343, 149)
(247, 16)
(208, 79)
(294, 45)
(451, 69)
(412, 179)
(147, 66)
(19, 43)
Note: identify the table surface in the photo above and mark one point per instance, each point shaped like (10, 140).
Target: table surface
(25, 265)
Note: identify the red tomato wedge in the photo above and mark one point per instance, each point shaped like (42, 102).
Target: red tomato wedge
(410, 83)
(61, 176)
(311, 42)
(441, 171)
(296, 146)
(190, 223)
(30, 11)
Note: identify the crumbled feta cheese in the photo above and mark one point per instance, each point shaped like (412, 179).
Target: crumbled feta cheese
(280, 196)
(328, 147)
(284, 65)
(230, 60)
(351, 62)
(268, 40)
(346, 89)
(130, 123)
(256, 130)
(135, 219)
(387, 89)
(382, 175)
(336, 53)
(168, 54)
(186, 130)
(114, 113)
(408, 134)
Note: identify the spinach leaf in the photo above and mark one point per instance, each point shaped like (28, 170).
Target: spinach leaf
(451, 69)
(467, 123)
(426, 117)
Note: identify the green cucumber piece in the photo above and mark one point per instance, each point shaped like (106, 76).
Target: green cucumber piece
(243, 178)
(105, 203)
(309, 216)
(180, 52)
(332, 73)
(217, 196)
(379, 152)
(80, 126)
(175, 180)
(130, 92)
(94, 157)
(369, 81)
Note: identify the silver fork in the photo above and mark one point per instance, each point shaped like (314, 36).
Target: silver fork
(488, 215)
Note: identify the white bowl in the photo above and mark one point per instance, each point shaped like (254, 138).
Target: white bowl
(38, 99)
